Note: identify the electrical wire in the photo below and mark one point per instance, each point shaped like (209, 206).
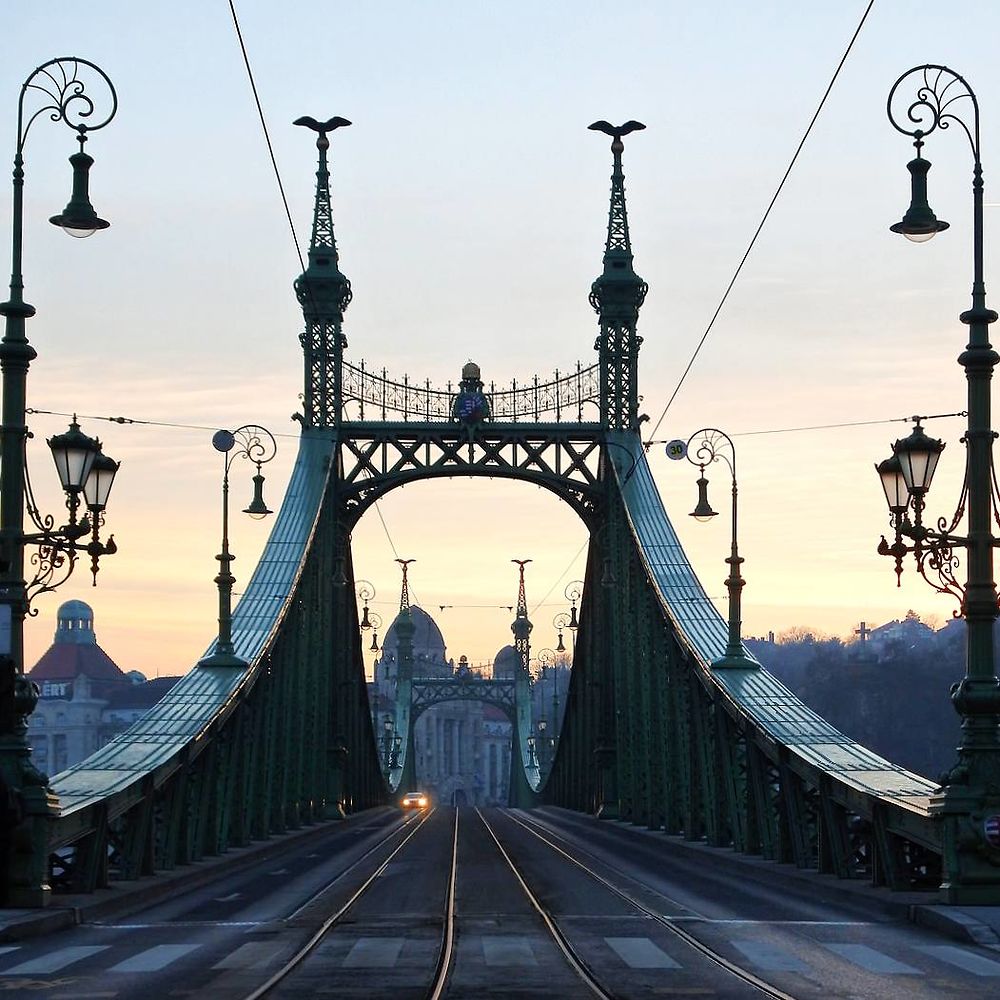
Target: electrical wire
(284, 202)
(826, 427)
(267, 135)
(767, 212)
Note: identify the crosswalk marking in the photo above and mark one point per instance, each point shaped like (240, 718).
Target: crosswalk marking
(155, 958)
(872, 960)
(770, 958)
(640, 953)
(253, 955)
(374, 953)
(56, 960)
(507, 950)
(967, 960)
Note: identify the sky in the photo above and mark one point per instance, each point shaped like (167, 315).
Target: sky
(470, 205)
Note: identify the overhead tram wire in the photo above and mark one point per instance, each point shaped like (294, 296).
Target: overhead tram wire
(760, 227)
(281, 191)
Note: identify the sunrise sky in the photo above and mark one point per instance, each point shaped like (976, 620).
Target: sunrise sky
(470, 203)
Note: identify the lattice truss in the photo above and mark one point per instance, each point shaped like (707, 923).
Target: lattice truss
(374, 460)
(428, 692)
(321, 366)
(620, 362)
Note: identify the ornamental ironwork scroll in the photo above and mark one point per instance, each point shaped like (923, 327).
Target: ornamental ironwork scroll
(561, 399)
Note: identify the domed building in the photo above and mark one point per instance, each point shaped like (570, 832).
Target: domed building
(462, 748)
(84, 697)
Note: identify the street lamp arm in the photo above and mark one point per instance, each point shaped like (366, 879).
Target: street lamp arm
(60, 82)
(938, 88)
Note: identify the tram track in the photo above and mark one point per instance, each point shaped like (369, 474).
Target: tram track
(744, 975)
(330, 922)
(442, 976)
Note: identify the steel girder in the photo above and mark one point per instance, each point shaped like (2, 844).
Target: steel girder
(682, 748)
(374, 458)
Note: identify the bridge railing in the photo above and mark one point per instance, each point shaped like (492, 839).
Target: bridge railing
(560, 398)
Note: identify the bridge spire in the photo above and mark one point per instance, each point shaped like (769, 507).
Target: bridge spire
(616, 296)
(521, 627)
(323, 293)
(404, 628)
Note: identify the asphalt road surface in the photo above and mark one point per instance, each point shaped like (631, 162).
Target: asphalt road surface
(543, 904)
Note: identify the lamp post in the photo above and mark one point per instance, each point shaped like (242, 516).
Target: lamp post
(968, 801)
(60, 87)
(257, 445)
(703, 448)
(388, 728)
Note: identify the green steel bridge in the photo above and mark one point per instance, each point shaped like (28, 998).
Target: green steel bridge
(654, 734)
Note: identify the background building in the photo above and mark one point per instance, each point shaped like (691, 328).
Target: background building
(85, 698)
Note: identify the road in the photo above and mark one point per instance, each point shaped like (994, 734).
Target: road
(594, 909)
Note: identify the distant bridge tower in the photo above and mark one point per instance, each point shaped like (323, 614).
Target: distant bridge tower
(616, 296)
(323, 293)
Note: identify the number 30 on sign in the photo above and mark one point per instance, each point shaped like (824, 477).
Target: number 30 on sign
(677, 449)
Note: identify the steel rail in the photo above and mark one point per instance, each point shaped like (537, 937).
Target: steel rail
(443, 970)
(739, 972)
(354, 864)
(575, 961)
(330, 921)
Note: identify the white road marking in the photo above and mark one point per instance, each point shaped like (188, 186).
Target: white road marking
(374, 953)
(56, 960)
(253, 955)
(641, 953)
(180, 923)
(499, 950)
(155, 958)
(280, 871)
(8, 947)
(872, 960)
(768, 957)
(967, 960)
(229, 898)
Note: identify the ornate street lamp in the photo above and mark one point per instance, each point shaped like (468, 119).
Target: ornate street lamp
(60, 88)
(256, 444)
(573, 593)
(968, 801)
(374, 623)
(365, 592)
(703, 448)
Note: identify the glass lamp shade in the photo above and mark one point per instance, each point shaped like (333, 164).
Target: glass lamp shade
(387, 724)
(78, 218)
(542, 725)
(703, 511)
(918, 457)
(74, 454)
(919, 223)
(97, 488)
(257, 508)
(896, 494)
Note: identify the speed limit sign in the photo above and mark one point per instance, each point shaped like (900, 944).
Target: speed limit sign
(677, 449)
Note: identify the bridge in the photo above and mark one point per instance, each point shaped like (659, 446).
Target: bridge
(665, 731)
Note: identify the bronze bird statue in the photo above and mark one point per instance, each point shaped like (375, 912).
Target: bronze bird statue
(616, 132)
(321, 127)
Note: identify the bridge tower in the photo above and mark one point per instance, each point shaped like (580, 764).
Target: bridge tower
(323, 293)
(522, 761)
(406, 779)
(617, 295)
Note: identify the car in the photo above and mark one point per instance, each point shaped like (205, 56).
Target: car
(414, 800)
